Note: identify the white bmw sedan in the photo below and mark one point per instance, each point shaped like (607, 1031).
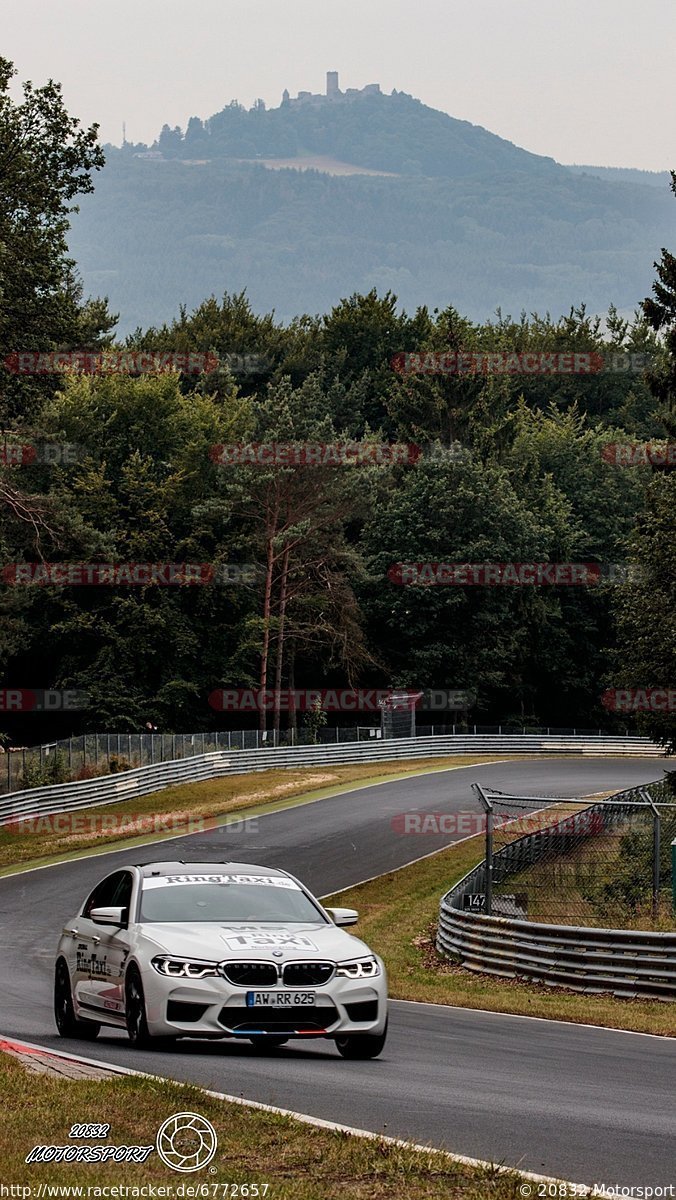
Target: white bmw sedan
(178, 949)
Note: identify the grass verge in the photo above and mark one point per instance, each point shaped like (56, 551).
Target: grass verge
(296, 1161)
(191, 807)
(398, 915)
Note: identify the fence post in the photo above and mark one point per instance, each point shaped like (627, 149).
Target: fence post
(488, 861)
(656, 863)
(647, 799)
(70, 755)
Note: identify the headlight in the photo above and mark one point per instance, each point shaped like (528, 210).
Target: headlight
(184, 968)
(361, 968)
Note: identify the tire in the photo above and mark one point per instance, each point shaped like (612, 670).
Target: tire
(135, 1011)
(64, 1013)
(361, 1045)
(261, 1044)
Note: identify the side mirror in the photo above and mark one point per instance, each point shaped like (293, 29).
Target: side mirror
(109, 916)
(343, 916)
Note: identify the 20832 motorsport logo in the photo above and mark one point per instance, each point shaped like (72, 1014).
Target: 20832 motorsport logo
(185, 1142)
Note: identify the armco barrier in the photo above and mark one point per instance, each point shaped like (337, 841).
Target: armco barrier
(127, 785)
(626, 962)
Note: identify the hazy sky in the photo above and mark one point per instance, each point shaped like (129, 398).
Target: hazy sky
(586, 81)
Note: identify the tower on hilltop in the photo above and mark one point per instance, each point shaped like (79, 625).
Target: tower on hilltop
(332, 88)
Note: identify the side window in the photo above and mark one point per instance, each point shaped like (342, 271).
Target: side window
(105, 893)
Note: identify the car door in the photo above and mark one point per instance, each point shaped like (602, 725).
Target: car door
(101, 950)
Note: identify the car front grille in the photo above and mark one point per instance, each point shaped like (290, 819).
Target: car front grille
(307, 974)
(300, 1018)
(250, 974)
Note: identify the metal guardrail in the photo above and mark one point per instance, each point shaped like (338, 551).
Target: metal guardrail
(140, 781)
(88, 755)
(626, 962)
(621, 961)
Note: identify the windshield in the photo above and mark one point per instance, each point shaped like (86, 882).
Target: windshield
(227, 899)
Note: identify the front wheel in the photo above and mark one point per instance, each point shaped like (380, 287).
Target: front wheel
(64, 1013)
(361, 1045)
(135, 1011)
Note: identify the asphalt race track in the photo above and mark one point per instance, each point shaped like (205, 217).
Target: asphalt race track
(584, 1104)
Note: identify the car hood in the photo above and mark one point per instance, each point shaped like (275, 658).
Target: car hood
(247, 940)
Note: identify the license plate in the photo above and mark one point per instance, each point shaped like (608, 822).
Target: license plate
(279, 999)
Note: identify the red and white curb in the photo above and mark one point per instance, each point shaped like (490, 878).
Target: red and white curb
(28, 1051)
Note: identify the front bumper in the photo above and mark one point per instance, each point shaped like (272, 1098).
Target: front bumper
(213, 1007)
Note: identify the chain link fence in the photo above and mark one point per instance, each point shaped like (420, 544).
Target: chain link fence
(92, 754)
(562, 861)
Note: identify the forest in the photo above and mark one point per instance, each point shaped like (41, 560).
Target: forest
(515, 463)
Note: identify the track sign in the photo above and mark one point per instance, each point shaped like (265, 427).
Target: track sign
(474, 902)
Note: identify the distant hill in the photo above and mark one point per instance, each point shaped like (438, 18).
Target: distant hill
(625, 174)
(454, 215)
(387, 133)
